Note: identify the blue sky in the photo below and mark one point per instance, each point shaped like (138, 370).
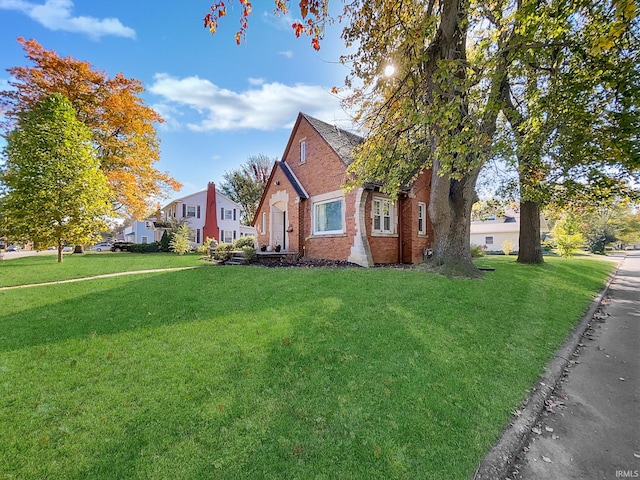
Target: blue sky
(222, 103)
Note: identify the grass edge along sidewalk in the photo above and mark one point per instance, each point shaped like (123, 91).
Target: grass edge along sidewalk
(498, 463)
(274, 373)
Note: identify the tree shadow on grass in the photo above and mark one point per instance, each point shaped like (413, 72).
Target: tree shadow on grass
(247, 373)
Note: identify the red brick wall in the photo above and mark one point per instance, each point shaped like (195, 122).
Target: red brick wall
(412, 243)
(322, 172)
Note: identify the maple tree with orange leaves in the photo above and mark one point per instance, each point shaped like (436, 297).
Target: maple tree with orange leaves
(122, 126)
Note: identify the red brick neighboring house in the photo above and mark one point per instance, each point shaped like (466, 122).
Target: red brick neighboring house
(304, 209)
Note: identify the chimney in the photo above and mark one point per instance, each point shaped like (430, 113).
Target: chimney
(211, 214)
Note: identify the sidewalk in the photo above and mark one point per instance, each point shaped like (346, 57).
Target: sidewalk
(591, 426)
(582, 419)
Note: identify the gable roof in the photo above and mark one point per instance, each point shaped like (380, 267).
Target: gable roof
(341, 141)
(293, 180)
(295, 183)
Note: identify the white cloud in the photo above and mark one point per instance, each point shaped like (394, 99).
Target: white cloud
(286, 53)
(57, 15)
(267, 106)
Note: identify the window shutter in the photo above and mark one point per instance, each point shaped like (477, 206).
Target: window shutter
(234, 233)
(198, 214)
(221, 236)
(234, 215)
(221, 213)
(184, 209)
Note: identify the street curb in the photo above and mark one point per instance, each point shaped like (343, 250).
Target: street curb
(497, 464)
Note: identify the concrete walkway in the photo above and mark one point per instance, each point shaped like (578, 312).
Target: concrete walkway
(106, 275)
(591, 425)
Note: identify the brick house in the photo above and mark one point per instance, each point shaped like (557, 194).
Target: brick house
(305, 211)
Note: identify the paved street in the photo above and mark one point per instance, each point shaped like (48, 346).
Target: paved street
(594, 430)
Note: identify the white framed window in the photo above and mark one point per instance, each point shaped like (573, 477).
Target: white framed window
(303, 151)
(328, 217)
(148, 225)
(144, 240)
(422, 218)
(227, 214)
(488, 240)
(191, 211)
(383, 215)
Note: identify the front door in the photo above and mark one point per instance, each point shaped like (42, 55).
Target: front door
(278, 225)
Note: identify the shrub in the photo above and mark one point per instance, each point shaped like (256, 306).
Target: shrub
(246, 241)
(223, 252)
(180, 241)
(204, 248)
(164, 242)
(507, 247)
(153, 247)
(249, 253)
(477, 251)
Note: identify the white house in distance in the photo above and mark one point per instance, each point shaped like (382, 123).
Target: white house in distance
(492, 232)
(208, 213)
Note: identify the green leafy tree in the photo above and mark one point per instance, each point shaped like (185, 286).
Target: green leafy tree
(629, 228)
(246, 184)
(180, 240)
(55, 191)
(567, 234)
(571, 101)
(122, 126)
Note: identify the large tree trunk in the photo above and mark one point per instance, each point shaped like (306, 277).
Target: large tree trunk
(450, 214)
(530, 250)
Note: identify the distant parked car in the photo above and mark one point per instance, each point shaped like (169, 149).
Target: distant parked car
(120, 246)
(13, 248)
(101, 246)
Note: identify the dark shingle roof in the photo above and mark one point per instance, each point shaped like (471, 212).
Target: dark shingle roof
(342, 141)
(293, 179)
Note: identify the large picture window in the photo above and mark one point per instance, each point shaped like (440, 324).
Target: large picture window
(382, 215)
(328, 217)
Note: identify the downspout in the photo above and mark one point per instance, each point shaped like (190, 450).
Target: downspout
(400, 230)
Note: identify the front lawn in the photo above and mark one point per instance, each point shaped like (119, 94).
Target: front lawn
(277, 373)
(45, 268)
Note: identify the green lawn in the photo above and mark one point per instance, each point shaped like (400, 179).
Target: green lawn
(44, 268)
(252, 373)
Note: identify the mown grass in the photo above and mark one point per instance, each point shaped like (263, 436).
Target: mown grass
(44, 268)
(252, 373)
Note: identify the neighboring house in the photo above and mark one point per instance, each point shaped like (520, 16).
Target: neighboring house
(208, 214)
(492, 232)
(305, 211)
(143, 231)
